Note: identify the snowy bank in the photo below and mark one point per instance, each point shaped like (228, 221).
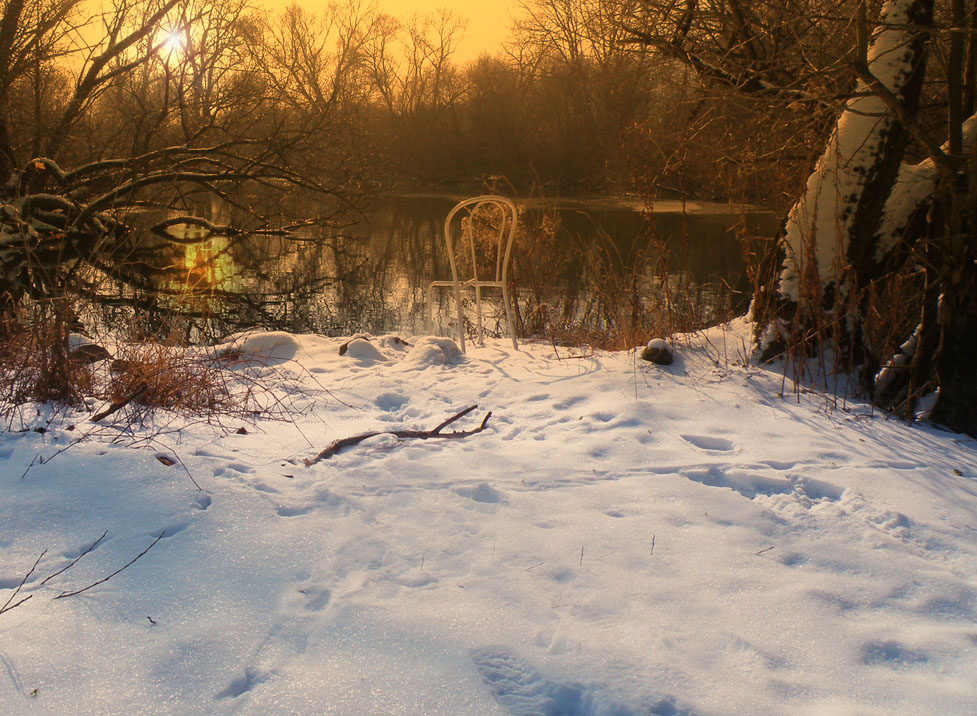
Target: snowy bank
(623, 538)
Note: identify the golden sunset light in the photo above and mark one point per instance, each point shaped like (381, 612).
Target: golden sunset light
(487, 23)
(488, 357)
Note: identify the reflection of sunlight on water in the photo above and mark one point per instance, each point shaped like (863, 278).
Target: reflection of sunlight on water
(206, 267)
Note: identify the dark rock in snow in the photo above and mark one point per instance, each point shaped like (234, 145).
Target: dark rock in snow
(657, 351)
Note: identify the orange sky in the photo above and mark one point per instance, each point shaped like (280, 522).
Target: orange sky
(488, 20)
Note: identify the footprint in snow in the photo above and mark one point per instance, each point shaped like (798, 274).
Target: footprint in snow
(78, 551)
(747, 484)
(232, 469)
(391, 402)
(568, 402)
(293, 511)
(418, 581)
(202, 452)
(524, 691)
(960, 604)
(752, 485)
(892, 654)
(483, 492)
(709, 442)
(794, 559)
(316, 598)
(512, 434)
(171, 530)
(242, 685)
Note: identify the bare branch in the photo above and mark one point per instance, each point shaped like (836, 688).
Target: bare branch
(126, 566)
(7, 605)
(94, 77)
(75, 561)
(339, 445)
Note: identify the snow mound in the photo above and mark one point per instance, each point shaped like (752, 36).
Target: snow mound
(268, 348)
(524, 691)
(432, 350)
(364, 352)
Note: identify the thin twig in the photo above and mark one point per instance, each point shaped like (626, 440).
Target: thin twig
(33, 460)
(153, 444)
(103, 581)
(73, 562)
(6, 607)
(453, 418)
(16, 604)
(118, 405)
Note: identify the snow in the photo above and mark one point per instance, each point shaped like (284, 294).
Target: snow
(622, 539)
(914, 186)
(822, 216)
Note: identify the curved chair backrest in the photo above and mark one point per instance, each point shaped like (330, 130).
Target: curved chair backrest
(503, 241)
(504, 238)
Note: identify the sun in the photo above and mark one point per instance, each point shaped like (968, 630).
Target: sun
(173, 41)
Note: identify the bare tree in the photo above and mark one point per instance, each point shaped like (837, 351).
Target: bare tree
(174, 93)
(411, 63)
(878, 252)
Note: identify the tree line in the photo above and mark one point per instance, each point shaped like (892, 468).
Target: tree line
(571, 101)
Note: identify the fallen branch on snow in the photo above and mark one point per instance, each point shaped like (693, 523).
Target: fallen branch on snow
(118, 405)
(419, 434)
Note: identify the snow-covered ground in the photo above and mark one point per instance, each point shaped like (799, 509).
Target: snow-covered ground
(621, 539)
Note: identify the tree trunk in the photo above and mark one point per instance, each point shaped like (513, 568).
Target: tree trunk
(866, 212)
(956, 363)
(832, 231)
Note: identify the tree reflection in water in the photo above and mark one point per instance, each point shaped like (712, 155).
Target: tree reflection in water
(371, 277)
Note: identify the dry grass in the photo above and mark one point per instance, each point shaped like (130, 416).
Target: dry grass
(35, 360)
(157, 374)
(572, 292)
(41, 361)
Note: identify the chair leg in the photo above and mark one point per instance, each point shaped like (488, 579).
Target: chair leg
(461, 319)
(478, 314)
(508, 315)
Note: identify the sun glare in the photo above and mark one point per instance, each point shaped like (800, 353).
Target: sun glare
(173, 41)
